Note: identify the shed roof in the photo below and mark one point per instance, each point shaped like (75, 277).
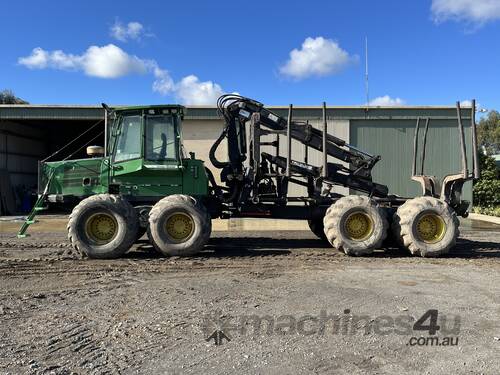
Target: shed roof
(95, 112)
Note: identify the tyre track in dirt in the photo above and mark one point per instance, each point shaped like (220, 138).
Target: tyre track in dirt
(143, 311)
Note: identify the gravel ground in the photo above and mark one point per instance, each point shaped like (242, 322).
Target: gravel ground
(319, 310)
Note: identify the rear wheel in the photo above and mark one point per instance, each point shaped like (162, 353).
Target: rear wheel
(103, 226)
(356, 225)
(179, 225)
(426, 226)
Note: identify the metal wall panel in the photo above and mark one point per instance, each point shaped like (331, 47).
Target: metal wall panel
(393, 140)
(34, 112)
(199, 135)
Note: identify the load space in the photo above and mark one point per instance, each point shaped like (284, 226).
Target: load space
(142, 181)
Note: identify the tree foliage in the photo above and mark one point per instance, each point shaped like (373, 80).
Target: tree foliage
(486, 190)
(8, 97)
(488, 133)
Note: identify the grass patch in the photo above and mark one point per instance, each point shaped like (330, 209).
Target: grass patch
(492, 211)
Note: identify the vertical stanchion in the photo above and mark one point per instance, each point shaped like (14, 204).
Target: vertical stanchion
(475, 164)
(415, 148)
(462, 141)
(289, 142)
(277, 144)
(306, 149)
(325, 125)
(424, 144)
(105, 132)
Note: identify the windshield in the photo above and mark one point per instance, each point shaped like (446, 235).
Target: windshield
(160, 138)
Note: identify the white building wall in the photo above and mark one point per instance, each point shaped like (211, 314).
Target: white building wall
(199, 135)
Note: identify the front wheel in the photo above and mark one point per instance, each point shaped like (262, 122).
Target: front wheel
(179, 225)
(103, 226)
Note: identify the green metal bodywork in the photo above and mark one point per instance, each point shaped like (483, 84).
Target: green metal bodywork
(135, 177)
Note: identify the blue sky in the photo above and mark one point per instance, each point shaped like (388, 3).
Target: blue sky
(420, 52)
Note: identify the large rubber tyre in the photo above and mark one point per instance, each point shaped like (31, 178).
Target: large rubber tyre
(176, 244)
(415, 222)
(340, 213)
(87, 234)
(317, 228)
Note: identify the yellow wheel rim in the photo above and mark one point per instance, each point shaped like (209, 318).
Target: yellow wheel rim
(359, 226)
(179, 226)
(101, 228)
(430, 228)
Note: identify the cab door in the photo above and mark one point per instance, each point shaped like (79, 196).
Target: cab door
(145, 166)
(162, 168)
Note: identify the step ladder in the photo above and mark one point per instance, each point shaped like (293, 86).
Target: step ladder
(39, 206)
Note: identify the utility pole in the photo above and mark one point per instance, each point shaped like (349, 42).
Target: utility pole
(366, 72)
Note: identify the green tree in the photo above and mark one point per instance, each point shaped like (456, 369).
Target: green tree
(8, 97)
(486, 190)
(488, 133)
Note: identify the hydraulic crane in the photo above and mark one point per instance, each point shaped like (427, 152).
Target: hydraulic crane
(256, 181)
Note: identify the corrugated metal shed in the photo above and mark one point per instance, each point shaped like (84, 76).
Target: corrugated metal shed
(387, 131)
(77, 112)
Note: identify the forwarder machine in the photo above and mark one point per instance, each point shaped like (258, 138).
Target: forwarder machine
(143, 181)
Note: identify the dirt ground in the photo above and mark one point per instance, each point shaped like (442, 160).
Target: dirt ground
(274, 301)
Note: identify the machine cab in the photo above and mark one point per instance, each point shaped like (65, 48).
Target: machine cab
(145, 154)
(149, 133)
(142, 160)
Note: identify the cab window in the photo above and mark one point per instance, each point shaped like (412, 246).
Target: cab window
(128, 143)
(160, 138)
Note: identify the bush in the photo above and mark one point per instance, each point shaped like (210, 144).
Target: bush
(491, 211)
(486, 191)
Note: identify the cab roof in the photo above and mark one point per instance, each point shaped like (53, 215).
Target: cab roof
(160, 109)
(158, 106)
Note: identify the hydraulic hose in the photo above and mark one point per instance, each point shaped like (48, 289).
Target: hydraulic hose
(213, 159)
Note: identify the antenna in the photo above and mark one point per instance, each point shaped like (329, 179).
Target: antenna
(366, 73)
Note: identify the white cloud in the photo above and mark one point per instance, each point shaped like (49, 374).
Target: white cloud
(130, 31)
(189, 90)
(163, 84)
(386, 101)
(470, 11)
(37, 60)
(112, 62)
(317, 57)
(108, 61)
